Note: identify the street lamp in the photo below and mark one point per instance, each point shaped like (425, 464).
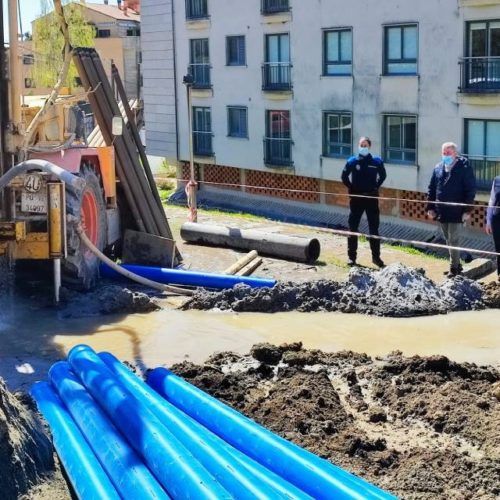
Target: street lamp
(188, 81)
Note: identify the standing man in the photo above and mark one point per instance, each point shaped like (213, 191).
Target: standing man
(493, 218)
(363, 175)
(452, 181)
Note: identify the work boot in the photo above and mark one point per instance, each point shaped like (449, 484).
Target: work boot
(351, 262)
(454, 271)
(378, 262)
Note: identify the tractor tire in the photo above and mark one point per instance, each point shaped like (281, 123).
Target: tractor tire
(81, 267)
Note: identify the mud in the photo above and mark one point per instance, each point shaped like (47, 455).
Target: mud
(420, 427)
(27, 462)
(395, 291)
(492, 294)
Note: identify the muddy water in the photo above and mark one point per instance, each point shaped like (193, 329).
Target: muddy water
(169, 336)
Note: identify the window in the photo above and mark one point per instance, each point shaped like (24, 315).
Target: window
(482, 146)
(337, 52)
(28, 59)
(202, 131)
(400, 139)
(196, 9)
(103, 34)
(134, 32)
(337, 135)
(278, 142)
(200, 63)
(400, 50)
(276, 71)
(235, 51)
(274, 6)
(237, 121)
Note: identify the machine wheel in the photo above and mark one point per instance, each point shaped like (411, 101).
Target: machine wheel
(81, 267)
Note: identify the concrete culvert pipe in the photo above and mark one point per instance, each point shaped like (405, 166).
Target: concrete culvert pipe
(274, 245)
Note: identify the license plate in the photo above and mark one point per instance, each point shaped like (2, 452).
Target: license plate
(34, 202)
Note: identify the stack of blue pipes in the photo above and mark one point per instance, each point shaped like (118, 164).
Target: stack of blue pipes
(120, 437)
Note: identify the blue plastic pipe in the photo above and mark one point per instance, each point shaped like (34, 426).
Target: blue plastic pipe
(125, 468)
(172, 464)
(315, 476)
(190, 278)
(85, 473)
(240, 475)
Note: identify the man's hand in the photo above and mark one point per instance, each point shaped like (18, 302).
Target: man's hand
(488, 229)
(466, 217)
(431, 214)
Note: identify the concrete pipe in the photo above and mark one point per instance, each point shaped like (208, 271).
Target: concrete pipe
(313, 475)
(244, 478)
(274, 245)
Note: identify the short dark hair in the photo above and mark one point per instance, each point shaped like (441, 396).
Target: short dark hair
(367, 139)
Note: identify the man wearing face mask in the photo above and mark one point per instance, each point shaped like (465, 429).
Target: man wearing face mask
(452, 181)
(363, 175)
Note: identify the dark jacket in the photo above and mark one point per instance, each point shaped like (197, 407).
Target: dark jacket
(494, 202)
(364, 174)
(458, 186)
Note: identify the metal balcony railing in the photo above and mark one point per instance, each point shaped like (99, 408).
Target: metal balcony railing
(485, 170)
(196, 9)
(480, 74)
(202, 143)
(274, 6)
(277, 76)
(201, 75)
(278, 152)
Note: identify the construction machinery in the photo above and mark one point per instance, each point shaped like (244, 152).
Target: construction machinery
(43, 214)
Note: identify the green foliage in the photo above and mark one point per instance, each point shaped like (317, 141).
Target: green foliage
(48, 41)
(168, 170)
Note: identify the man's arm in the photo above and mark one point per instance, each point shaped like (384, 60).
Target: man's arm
(345, 175)
(431, 193)
(489, 212)
(469, 187)
(382, 174)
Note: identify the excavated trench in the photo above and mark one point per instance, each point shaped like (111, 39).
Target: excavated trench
(395, 291)
(420, 427)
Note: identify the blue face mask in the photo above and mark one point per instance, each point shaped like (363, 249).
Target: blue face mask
(447, 160)
(364, 151)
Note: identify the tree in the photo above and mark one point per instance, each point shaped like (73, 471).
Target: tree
(48, 41)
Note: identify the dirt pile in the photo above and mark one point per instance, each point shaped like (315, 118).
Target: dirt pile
(26, 453)
(492, 294)
(420, 427)
(106, 299)
(395, 291)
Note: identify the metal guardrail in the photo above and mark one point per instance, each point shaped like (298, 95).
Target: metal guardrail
(480, 74)
(196, 9)
(277, 76)
(201, 75)
(202, 143)
(274, 6)
(278, 152)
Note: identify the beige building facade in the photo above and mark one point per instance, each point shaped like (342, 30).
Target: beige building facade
(284, 88)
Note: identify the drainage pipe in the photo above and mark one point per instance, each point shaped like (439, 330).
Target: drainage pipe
(125, 468)
(174, 466)
(241, 476)
(275, 245)
(81, 465)
(190, 278)
(315, 476)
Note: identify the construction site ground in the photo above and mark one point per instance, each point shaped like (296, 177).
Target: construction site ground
(421, 427)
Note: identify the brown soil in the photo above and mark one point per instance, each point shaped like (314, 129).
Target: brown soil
(492, 294)
(28, 467)
(418, 427)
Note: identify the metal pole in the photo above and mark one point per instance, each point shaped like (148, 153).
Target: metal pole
(15, 67)
(57, 280)
(191, 187)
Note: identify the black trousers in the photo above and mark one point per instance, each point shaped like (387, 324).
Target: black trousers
(495, 225)
(358, 207)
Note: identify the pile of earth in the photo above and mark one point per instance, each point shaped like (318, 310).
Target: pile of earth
(28, 468)
(492, 294)
(419, 427)
(396, 291)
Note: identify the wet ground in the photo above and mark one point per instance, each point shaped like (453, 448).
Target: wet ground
(422, 428)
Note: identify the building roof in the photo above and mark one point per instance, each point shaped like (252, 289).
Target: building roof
(113, 11)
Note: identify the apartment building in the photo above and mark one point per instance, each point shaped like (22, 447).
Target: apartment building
(284, 88)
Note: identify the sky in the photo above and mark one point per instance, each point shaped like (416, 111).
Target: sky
(30, 10)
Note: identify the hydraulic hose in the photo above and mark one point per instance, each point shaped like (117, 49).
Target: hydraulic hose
(128, 274)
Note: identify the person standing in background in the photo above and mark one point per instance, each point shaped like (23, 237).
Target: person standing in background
(493, 218)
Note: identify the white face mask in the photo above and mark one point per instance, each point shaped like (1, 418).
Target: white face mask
(364, 151)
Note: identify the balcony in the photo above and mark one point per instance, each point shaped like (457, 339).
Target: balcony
(196, 9)
(480, 75)
(485, 170)
(274, 6)
(278, 152)
(277, 77)
(202, 144)
(201, 75)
